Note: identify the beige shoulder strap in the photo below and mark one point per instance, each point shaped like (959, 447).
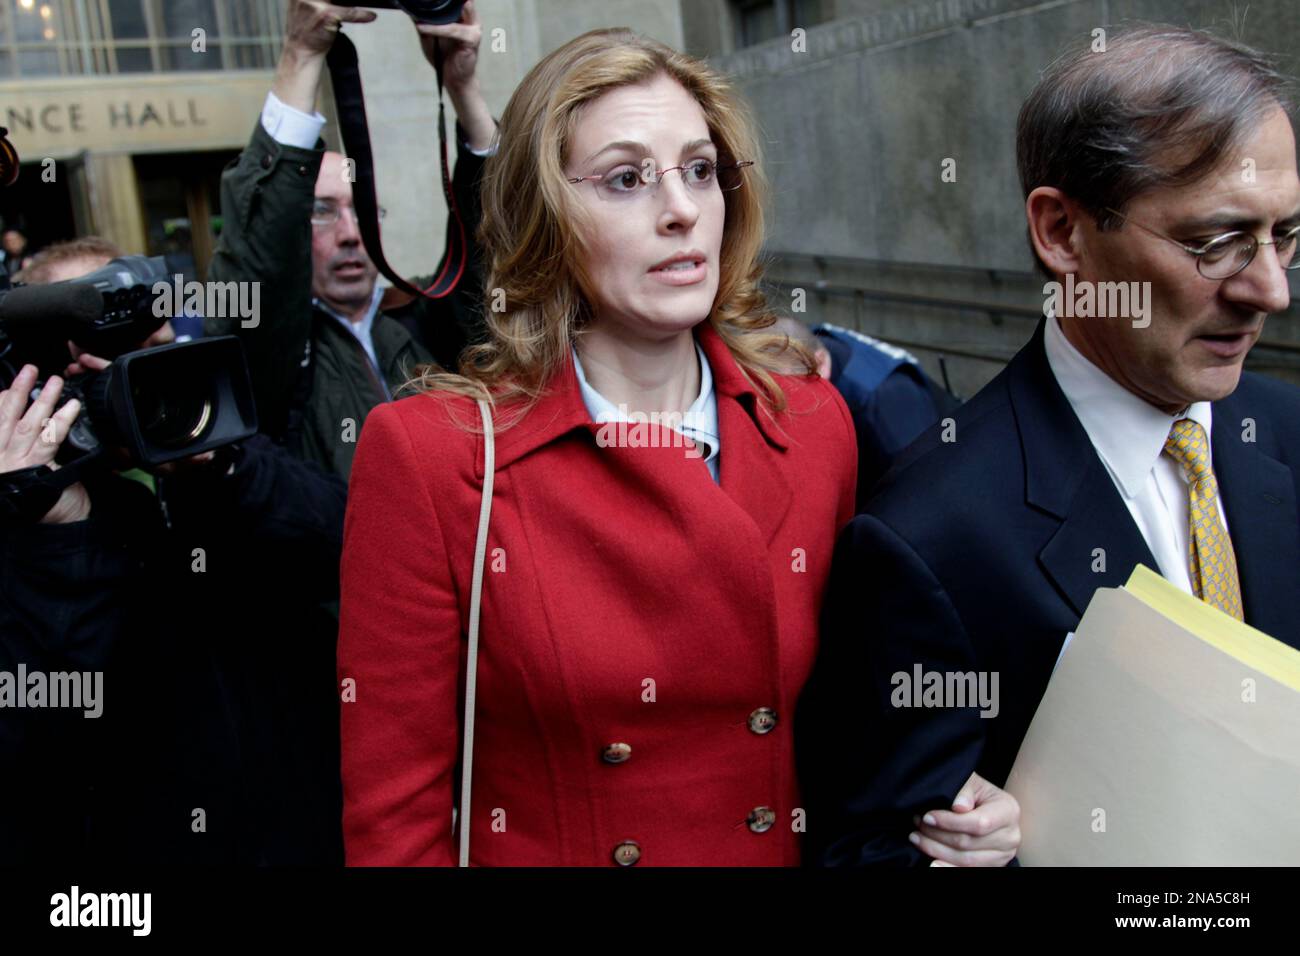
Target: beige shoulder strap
(475, 599)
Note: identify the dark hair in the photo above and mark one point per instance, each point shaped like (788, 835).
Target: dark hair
(1161, 106)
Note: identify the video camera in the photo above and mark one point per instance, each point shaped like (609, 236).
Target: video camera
(159, 404)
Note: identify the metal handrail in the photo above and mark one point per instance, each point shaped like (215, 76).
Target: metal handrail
(993, 309)
(996, 275)
(771, 254)
(823, 287)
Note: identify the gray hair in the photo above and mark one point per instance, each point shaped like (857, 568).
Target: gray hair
(1162, 106)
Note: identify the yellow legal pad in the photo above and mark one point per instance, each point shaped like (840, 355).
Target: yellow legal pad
(1253, 648)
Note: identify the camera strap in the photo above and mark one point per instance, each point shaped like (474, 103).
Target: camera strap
(345, 74)
(28, 494)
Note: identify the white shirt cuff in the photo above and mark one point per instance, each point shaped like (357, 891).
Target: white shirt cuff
(289, 126)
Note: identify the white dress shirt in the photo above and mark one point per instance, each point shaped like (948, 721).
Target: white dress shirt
(699, 423)
(1129, 435)
(289, 126)
(361, 329)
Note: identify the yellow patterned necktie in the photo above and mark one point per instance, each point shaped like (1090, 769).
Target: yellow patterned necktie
(1211, 563)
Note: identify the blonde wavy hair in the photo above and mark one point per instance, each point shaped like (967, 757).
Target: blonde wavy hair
(531, 234)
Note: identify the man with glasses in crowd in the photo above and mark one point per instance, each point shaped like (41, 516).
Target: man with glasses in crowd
(325, 352)
(1168, 161)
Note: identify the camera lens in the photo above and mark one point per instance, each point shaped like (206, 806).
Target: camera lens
(172, 414)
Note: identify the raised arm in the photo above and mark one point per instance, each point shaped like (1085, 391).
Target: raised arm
(266, 202)
(445, 331)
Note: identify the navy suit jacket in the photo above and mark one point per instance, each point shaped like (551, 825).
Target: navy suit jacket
(979, 554)
(890, 399)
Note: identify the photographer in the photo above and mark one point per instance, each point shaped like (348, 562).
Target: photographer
(325, 353)
(198, 593)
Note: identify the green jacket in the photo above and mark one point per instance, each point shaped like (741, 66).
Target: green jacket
(313, 382)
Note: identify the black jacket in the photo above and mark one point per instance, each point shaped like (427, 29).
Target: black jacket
(206, 608)
(978, 555)
(313, 382)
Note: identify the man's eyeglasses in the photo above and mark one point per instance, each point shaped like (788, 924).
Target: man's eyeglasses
(626, 181)
(1226, 255)
(326, 212)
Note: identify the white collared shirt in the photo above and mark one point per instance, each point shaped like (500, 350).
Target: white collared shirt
(1129, 435)
(289, 126)
(699, 423)
(361, 329)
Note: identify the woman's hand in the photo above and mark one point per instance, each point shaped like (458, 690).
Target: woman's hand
(981, 829)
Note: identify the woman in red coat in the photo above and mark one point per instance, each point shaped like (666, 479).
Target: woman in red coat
(651, 596)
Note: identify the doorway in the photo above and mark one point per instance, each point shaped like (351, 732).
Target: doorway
(180, 200)
(39, 205)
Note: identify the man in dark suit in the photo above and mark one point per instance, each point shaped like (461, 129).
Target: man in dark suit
(1110, 440)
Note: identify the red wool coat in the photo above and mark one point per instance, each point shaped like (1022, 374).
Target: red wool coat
(645, 632)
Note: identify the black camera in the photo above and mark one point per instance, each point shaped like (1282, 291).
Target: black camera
(426, 11)
(159, 404)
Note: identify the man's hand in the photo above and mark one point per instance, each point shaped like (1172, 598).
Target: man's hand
(459, 43)
(31, 436)
(83, 362)
(309, 31)
(981, 829)
(311, 26)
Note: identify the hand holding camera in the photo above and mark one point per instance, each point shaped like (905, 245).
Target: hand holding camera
(309, 30)
(30, 437)
(312, 25)
(449, 30)
(458, 43)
